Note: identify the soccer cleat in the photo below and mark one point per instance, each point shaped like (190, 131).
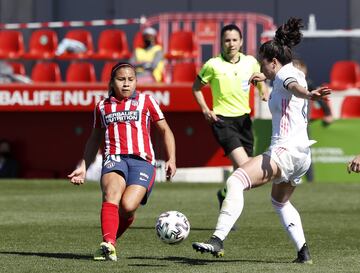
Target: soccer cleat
(214, 245)
(303, 256)
(106, 252)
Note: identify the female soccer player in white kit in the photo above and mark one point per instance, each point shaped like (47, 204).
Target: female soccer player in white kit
(288, 157)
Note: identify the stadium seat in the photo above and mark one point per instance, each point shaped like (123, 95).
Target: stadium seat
(83, 36)
(184, 72)
(106, 70)
(182, 45)
(18, 68)
(344, 75)
(350, 107)
(80, 72)
(139, 42)
(46, 72)
(11, 44)
(112, 44)
(43, 44)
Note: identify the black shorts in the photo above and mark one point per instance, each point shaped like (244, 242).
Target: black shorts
(234, 132)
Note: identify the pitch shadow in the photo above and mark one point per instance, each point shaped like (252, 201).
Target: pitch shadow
(192, 228)
(49, 255)
(191, 261)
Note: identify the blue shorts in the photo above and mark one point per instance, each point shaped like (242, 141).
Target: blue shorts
(134, 169)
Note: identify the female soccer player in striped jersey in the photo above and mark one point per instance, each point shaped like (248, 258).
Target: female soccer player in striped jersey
(122, 122)
(288, 157)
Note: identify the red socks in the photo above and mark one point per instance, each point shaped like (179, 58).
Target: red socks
(109, 222)
(123, 226)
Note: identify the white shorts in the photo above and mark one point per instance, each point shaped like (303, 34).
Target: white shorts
(293, 163)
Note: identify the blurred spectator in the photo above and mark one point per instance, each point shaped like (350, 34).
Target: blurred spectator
(9, 167)
(7, 74)
(70, 46)
(327, 119)
(148, 59)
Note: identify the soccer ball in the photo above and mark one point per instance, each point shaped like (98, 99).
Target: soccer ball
(172, 227)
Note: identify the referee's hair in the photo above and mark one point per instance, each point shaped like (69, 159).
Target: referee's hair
(230, 27)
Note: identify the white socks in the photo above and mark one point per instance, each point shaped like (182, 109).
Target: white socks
(233, 203)
(291, 222)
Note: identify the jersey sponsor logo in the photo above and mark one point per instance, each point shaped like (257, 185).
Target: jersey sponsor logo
(122, 116)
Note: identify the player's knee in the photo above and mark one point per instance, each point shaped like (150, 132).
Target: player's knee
(111, 195)
(278, 205)
(238, 181)
(128, 207)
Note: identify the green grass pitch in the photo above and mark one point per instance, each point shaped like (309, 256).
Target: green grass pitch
(53, 226)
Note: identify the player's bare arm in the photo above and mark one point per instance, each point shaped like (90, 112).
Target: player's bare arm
(169, 143)
(263, 90)
(77, 177)
(257, 77)
(316, 94)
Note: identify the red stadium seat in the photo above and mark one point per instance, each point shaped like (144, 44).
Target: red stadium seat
(184, 72)
(18, 68)
(46, 72)
(344, 75)
(11, 44)
(80, 72)
(43, 44)
(350, 107)
(182, 45)
(112, 44)
(106, 71)
(83, 36)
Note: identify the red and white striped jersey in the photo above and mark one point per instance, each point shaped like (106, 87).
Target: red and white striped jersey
(127, 124)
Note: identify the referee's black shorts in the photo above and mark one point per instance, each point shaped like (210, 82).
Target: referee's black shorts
(234, 132)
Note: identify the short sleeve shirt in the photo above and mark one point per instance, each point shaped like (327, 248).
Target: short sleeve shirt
(229, 84)
(127, 124)
(289, 113)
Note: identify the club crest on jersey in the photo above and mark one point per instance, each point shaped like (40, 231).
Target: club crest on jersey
(110, 165)
(134, 103)
(122, 116)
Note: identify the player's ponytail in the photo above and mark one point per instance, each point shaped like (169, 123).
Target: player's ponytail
(287, 36)
(289, 33)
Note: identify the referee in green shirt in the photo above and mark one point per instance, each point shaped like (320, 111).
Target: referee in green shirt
(228, 75)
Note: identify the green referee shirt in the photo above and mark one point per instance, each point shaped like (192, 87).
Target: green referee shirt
(229, 84)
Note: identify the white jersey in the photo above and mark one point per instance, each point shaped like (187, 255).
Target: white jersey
(289, 113)
(289, 141)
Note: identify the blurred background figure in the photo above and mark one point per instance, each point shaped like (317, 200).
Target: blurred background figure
(94, 171)
(327, 118)
(148, 59)
(7, 74)
(9, 167)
